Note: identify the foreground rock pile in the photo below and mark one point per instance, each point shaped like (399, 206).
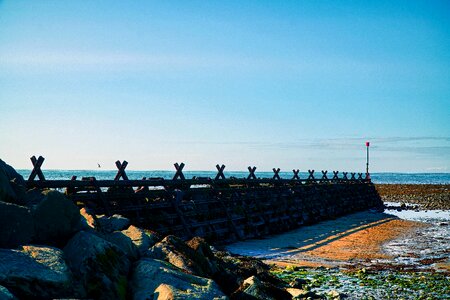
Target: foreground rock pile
(51, 249)
(428, 196)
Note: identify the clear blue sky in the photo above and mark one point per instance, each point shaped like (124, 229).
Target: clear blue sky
(289, 84)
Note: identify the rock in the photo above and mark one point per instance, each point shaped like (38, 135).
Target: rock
(203, 249)
(335, 295)
(243, 267)
(139, 238)
(5, 294)
(33, 197)
(153, 236)
(100, 266)
(124, 243)
(156, 279)
(7, 193)
(253, 288)
(173, 250)
(56, 218)
(16, 225)
(296, 293)
(303, 294)
(88, 220)
(35, 272)
(112, 223)
(226, 278)
(12, 185)
(298, 283)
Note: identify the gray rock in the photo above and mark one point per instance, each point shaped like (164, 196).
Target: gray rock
(125, 244)
(12, 185)
(173, 250)
(253, 288)
(112, 223)
(88, 220)
(56, 218)
(298, 283)
(11, 173)
(16, 225)
(5, 294)
(139, 238)
(35, 272)
(153, 236)
(100, 266)
(156, 279)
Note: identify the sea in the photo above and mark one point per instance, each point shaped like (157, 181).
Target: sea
(389, 178)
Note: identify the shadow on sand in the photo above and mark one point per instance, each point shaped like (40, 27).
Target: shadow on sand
(307, 238)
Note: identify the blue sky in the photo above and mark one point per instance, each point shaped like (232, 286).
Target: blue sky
(291, 84)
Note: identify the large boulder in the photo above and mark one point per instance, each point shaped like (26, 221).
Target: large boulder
(12, 185)
(35, 273)
(140, 238)
(173, 250)
(156, 279)
(16, 225)
(100, 266)
(225, 277)
(112, 223)
(88, 219)
(244, 267)
(124, 243)
(154, 236)
(5, 294)
(253, 288)
(56, 218)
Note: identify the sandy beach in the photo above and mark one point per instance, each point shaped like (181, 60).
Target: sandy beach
(401, 252)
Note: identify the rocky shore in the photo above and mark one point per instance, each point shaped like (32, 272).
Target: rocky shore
(427, 196)
(50, 249)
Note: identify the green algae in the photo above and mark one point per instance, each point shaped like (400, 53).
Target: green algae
(364, 284)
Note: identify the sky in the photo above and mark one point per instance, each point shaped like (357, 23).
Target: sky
(288, 84)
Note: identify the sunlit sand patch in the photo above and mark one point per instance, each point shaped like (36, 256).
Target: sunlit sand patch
(359, 243)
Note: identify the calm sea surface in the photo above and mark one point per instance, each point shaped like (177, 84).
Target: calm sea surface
(418, 178)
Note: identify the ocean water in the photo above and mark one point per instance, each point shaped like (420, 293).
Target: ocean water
(416, 178)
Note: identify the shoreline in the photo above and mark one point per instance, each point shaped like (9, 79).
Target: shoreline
(427, 196)
(364, 244)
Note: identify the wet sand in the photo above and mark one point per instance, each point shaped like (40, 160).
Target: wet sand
(363, 243)
(369, 238)
(397, 237)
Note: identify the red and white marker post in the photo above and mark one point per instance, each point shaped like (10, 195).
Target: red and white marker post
(367, 161)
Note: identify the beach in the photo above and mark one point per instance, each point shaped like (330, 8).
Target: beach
(358, 253)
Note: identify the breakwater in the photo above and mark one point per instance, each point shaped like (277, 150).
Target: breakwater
(219, 209)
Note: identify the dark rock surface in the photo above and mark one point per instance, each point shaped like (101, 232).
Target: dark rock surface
(100, 266)
(5, 294)
(16, 225)
(56, 218)
(253, 288)
(179, 254)
(124, 243)
(12, 185)
(112, 223)
(140, 238)
(35, 272)
(156, 279)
